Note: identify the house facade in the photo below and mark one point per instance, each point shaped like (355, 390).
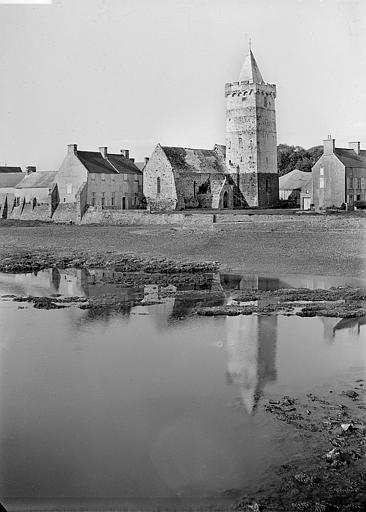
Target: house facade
(339, 176)
(8, 182)
(177, 178)
(99, 179)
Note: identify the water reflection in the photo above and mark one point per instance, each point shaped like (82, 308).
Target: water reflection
(144, 401)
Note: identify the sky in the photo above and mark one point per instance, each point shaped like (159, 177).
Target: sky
(134, 73)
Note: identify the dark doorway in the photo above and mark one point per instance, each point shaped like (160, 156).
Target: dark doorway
(225, 200)
(123, 203)
(34, 202)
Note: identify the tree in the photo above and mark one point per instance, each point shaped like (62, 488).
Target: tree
(296, 157)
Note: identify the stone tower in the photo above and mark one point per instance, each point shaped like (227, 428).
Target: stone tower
(251, 139)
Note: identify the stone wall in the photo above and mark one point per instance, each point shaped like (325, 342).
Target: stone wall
(268, 190)
(39, 212)
(159, 167)
(131, 217)
(66, 213)
(330, 188)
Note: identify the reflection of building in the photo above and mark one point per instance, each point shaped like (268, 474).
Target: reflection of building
(251, 355)
(250, 282)
(331, 325)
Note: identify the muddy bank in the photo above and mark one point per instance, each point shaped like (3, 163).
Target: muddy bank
(31, 261)
(329, 474)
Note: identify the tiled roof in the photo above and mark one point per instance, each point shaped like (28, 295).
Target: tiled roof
(5, 168)
(10, 179)
(349, 157)
(95, 163)
(39, 179)
(205, 161)
(295, 180)
(123, 164)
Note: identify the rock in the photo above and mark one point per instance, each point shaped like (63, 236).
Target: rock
(273, 402)
(304, 479)
(334, 455)
(351, 393)
(347, 427)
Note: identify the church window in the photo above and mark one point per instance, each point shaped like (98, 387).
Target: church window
(68, 188)
(93, 199)
(265, 101)
(158, 185)
(194, 189)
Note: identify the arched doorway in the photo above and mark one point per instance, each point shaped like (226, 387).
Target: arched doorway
(225, 200)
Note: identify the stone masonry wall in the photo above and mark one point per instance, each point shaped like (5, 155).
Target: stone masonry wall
(130, 217)
(159, 167)
(66, 213)
(39, 212)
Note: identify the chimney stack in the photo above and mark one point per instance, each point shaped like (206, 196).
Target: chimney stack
(146, 159)
(125, 153)
(72, 148)
(329, 145)
(103, 151)
(30, 168)
(356, 146)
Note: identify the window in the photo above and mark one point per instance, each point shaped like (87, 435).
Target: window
(102, 176)
(265, 101)
(363, 180)
(321, 182)
(158, 186)
(93, 199)
(321, 171)
(113, 198)
(68, 188)
(349, 182)
(194, 189)
(103, 199)
(355, 182)
(358, 197)
(359, 183)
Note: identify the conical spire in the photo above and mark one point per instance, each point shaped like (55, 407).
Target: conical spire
(250, 70)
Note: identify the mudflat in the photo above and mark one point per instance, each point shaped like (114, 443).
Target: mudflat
(288, 244)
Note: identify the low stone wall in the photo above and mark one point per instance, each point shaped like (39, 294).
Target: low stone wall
(40, 212)
(129, 217)
(16, 212)
(66, 213)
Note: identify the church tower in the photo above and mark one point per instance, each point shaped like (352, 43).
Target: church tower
(251, 138)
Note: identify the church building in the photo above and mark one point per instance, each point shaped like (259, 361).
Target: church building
(242, 174)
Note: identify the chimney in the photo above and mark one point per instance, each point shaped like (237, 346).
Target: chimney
(103, 151)
(356, 146)
(30, 168)
(72, 148)
(329, 145)
(132, 160)
(125, 153)
(146, 159)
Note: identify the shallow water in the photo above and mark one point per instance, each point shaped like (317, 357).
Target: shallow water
(152, 402)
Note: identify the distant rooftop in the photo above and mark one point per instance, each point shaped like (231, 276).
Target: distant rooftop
(10, 179)
(350, 158)
(5, 168)
(295, 179)
(39, 179)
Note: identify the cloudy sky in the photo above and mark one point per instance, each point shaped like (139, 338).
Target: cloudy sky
(132, 73)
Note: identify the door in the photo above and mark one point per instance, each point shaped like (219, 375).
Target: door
(123, 203)
(306, 201)
(225, 200)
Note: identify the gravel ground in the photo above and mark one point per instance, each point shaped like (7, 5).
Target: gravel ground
(321, 245)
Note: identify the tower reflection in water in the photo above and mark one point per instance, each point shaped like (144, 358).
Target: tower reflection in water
(251, 344)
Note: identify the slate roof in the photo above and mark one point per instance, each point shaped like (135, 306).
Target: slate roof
(5, 168)
(123, 164)
(95, 163)
(188, 160)
(10, 179)
(295, 180)
(250, 70)
(350, 158)
(39, 179)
